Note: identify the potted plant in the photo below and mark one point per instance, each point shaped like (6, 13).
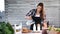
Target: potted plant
(6, 28)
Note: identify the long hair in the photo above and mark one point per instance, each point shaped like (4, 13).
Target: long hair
(42, 10)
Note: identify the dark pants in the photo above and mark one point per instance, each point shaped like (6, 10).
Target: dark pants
(37, 20)
(31, 27)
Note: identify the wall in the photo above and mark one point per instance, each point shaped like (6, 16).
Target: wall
(17, 9)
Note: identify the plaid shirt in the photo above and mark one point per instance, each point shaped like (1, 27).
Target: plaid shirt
(31, 12)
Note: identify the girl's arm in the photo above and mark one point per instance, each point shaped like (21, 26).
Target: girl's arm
(45, 22)
(28, 15)
(44, 15)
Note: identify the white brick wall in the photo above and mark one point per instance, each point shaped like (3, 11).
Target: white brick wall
(17, 9)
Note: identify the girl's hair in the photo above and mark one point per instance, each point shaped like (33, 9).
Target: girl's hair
(41, 12)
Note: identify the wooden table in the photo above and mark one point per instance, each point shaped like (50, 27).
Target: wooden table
(31, 33)
(37, 32)
(50, 32)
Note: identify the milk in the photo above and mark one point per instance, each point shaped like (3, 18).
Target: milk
(34, 27)
(38, 27)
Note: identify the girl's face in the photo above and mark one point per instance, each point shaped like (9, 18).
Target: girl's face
(39, 8)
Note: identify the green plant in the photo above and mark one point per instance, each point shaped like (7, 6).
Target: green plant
(49, 28)
(6, 28)
(58, 29)
(10, 27)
